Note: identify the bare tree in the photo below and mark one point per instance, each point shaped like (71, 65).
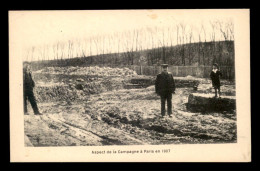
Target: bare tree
(90, 47)
(213, 38)
(199, 47)
(118, 49)
(177, 32)
(226, 29)
(231, 30)
(32, 54)
(223, 28)
(103, 49)
(47, 52)
(96, 41)
(204, 45)
(62, 47)
(70, 49)
(153, 55)
(27, 56)
(183, 30)
(136, 40)
(190, 46)
(57, 51)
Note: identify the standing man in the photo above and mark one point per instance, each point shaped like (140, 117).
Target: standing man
(28, 85)
(165, 87)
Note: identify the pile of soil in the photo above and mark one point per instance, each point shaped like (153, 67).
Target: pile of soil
(99, 71)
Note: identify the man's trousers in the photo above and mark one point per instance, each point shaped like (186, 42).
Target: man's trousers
(168, 97)
(28, 95)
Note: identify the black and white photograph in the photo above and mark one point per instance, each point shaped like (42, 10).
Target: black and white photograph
(115, 78)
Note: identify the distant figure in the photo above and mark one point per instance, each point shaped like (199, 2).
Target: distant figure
(28, 85)
(165, 87)
(215, 77)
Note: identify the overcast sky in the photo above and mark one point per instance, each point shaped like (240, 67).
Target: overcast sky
(40, 28)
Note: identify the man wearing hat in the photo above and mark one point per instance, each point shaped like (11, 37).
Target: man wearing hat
(165, 87)
(28, 85)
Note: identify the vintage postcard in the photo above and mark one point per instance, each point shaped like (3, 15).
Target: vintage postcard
(130, 85)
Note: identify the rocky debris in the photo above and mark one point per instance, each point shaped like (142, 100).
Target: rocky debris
(142, 81)
(186, 82)
(52, 93)
(80, 80)
(189, 76)
(199, 102)
(133, 86)
(75, 90)
(79, 87)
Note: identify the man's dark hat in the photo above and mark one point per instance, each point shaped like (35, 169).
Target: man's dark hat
(164, 65)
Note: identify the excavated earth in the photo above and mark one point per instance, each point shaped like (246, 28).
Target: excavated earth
(118, 116)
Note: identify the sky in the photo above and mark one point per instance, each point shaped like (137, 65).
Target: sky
(38, 29)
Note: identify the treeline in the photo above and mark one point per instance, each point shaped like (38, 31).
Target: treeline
(125, 45)
(194, 54)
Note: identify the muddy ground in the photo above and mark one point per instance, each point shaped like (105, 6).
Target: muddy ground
(126, 117)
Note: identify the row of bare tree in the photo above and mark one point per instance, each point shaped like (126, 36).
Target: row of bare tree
(161, 41)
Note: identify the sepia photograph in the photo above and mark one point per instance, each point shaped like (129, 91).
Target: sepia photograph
(98, 79)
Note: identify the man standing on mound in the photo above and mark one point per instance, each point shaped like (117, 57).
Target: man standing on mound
(165, 87)
(28, 85)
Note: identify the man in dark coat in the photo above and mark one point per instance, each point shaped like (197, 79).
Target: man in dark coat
(28, 85)
(165, 87)
(215, 75)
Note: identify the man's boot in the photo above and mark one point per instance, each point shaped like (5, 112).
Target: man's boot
(163, 113)
(36, 110)
(216, 93)
(25, 110)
